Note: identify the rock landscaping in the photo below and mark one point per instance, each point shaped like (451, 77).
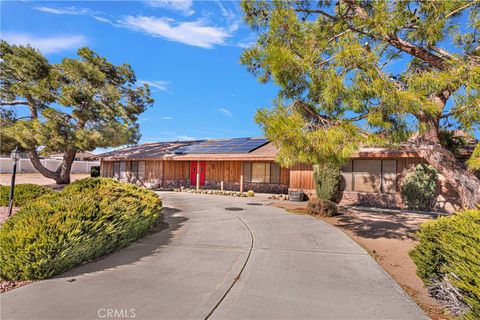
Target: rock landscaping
(249, 193)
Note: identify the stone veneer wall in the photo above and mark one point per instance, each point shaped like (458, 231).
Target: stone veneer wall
(257, 187)
(443, 203)
(231, 186)
(381, 200)
(176, 183)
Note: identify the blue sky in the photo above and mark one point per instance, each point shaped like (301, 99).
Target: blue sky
(187, 51)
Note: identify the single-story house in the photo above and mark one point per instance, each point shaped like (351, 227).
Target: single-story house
(80, 156)
(371, 177)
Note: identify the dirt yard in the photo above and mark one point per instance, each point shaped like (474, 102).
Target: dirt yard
(388, 236)
(35, 178)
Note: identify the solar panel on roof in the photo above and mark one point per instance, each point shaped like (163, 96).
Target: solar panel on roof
(236, 145)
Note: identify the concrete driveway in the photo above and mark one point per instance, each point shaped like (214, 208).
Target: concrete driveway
(255, 263)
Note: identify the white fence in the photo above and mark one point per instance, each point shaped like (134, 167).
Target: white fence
(25, 165)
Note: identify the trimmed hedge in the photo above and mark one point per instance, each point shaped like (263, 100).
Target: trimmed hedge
(23, 194)
(448, 256)
(89, 219)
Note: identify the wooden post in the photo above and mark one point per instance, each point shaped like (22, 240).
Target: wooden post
(241, 183)
(198, 175)
(221, 185)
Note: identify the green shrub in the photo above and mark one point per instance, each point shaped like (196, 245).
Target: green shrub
(324, 207)
(419, 187)
(448, 255)
(23, 194)
(327, 177)
(250, 193)
(90, 218)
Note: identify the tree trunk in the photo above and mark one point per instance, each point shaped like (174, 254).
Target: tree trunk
(62, 174)
(455, 172)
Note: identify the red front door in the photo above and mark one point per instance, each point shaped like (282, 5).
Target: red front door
(193, 172)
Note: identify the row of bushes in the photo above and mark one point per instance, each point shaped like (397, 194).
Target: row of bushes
(448, 261)
(60, 230)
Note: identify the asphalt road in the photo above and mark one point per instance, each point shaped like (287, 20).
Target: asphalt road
(257, 263)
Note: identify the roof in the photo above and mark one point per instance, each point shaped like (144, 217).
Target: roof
(223, 146)
(153, 150)
(256, 149)
(79, 155)
(214, 149)
(266, 152)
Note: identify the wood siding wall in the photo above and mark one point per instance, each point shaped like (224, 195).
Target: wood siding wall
(154, 171)
(161, 170)
(106, 169)
(301, 176)
(176, 170)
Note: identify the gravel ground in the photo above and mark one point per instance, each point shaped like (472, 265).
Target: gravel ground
(4, 213)
(35, 178)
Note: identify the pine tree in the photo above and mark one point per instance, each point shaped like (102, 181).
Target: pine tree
(355, 73)
(75, 105)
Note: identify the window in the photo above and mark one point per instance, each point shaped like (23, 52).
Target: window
(116, 170)
(389, 176)
(138, 169)
(261, 172)
(367, 175)
(374, 176)
(123, 170)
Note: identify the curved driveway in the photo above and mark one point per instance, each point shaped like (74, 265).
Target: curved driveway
(257, 263)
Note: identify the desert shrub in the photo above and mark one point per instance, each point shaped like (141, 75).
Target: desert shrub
(327, 177)
(323, 207)
(95, 171)
(23, 193)
(419, 187)
(447, 258)
(250, 193)
(90, 218)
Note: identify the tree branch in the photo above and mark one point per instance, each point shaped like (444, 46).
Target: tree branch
(13, 103)
(360, 117)
(456, 111)
(460, 9)
(339, 35)
(391, 39)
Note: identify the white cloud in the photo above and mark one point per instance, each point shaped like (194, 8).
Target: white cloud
(194, 33)
(183, 138)
(167, 118)
(225, 112)
(66, 10)
(101, 19)
(46, 45)
(161, 85)
(74, 11)
(183, 6)
(233, 20)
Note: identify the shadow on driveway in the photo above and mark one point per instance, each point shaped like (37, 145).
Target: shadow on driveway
(375, 225)
(150, 244)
